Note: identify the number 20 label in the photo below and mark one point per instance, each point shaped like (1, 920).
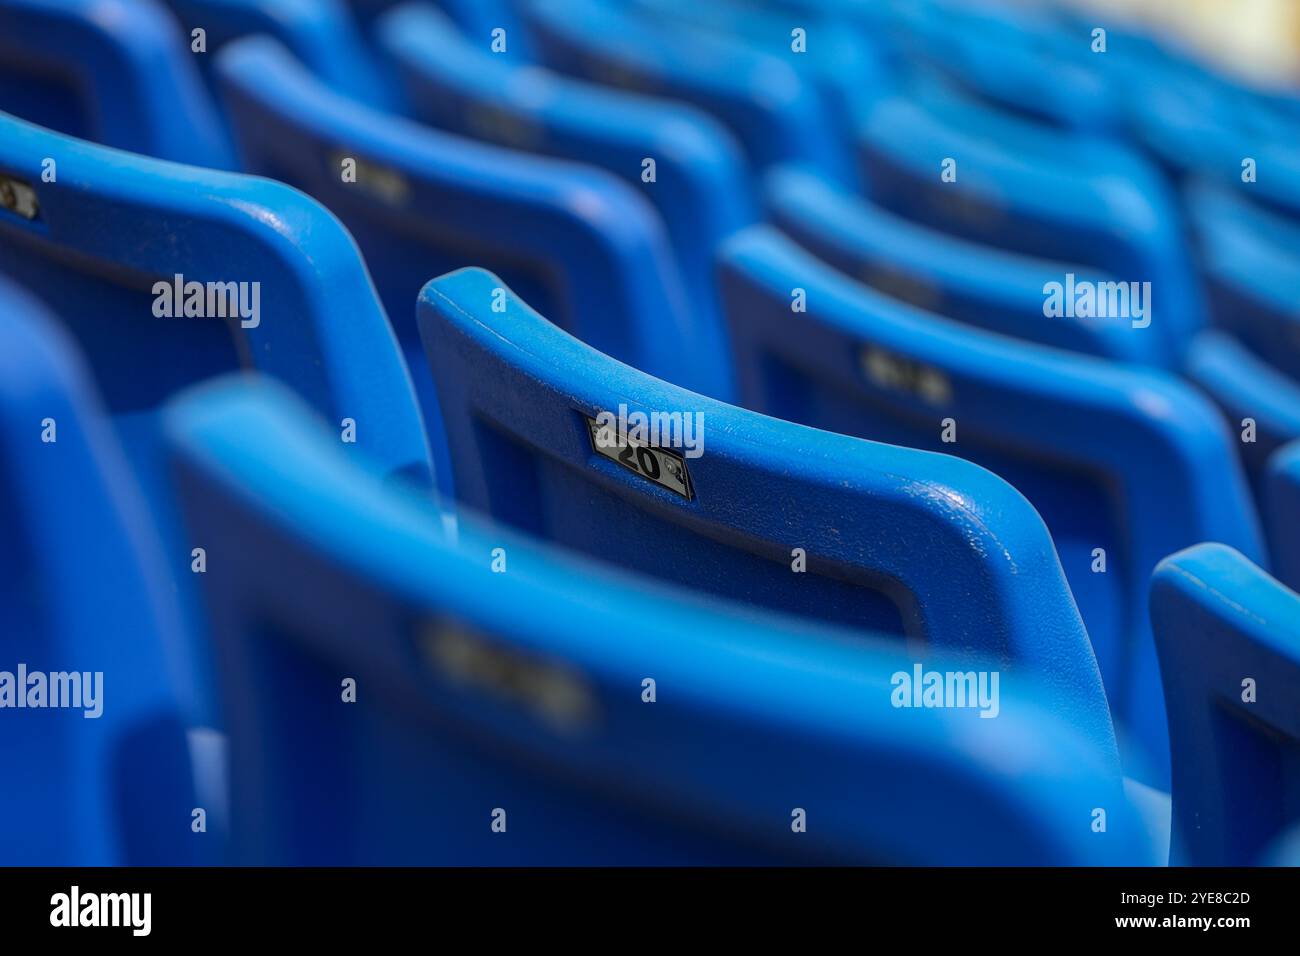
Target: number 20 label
(665, 468)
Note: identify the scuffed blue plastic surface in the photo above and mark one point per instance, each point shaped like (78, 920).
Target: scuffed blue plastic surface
(1229, 641)
(480, 688)
(470, 701)
(895, 539)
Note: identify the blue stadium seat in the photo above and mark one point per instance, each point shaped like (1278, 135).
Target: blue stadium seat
(836, 54)
(702, 186)
(477, 19)
(1282, 506)
(887, 451)
(119, 72)
(1005, 56)
(323, 34)
(1285, 851)
(82, 593)
(110, 226)
(424, 201)
(1229, 641)
(1115, 457)
(1180, 119)
(1251, 262)
(1199, 128)
(104, 242)
(1036, 191)
(974, 283)
(776, 114)
(472, 708)
(888, 538)
(1260, 403)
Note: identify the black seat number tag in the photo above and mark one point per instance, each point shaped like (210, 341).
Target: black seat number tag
(665, 468)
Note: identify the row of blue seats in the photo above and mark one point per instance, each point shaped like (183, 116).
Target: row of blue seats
(456, 661)
(468, 696)
(1105, 210)
(1065, 430)
(490, 97)
(1030, 397)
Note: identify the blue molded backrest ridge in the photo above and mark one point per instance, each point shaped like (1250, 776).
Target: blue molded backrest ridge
(876, 522)
(755, 715)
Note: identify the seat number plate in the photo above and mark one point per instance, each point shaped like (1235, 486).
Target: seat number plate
(665, 468)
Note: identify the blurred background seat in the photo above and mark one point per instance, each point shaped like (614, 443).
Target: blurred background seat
(849, 66)
(115, 71)
(1125, 464)
(778, 115)
(1283, 496)
(101, 773)
(974, 283)
(1229, 641)
(1251, 262)
(1260, 403)
(322, 34)
(681, 159)
(947, 162)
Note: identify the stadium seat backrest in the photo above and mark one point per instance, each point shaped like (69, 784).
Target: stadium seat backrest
(974, 283)
(699, 182)
(831, 47)
(106, 238)
(777, 114)
(1282, 506)
(1251, 261)
(479, 20)
(741, 505)
(323, 34)
(1180, 120)
(91, 728)
(1118, 458)
(1201, 129)
(1011, 183)
(1004, 60)
(421, 202)
(1261, 403)
(1285, 851)
(432, 711)
(119, 72)
(168, 274)
(1229, 641)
